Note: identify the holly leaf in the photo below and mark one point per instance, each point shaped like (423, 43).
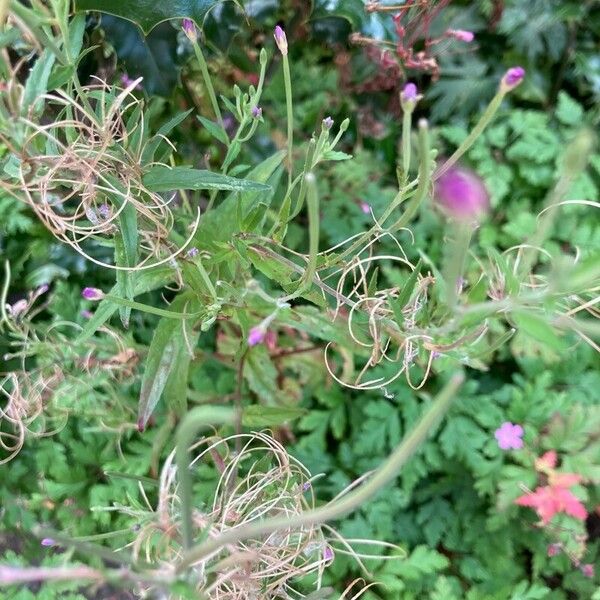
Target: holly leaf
(149, 13)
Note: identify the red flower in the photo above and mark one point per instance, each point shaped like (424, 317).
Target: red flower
(550, 500)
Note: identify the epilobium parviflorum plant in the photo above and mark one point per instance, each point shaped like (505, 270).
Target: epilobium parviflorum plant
(200, 260)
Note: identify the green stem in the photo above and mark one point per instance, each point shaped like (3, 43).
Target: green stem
(208, 83)
(151, 309)
(381, 478)
(312, 201)
(290, 114)
(483, 122)
(406, 130)
(196, 420)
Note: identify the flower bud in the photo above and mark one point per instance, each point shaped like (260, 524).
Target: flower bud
(189, 28)
(512, 78)
(462, 195)
(281, 40)
(461, 35)
(327, 123)
(262, 57)
(345, 124)
(256, 335)
(193, 252)
(256, 112)
(90, 293)
(409, 96)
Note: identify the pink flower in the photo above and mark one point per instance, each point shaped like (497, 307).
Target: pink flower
(513, 77)
(90, 293)
(461, 194)
(48, 542)
(587, 570)
(365, 207)
(193, 252)
(328, 553)
(461, 35)
(549, 500)
(509, 436)
(256, 335)
(281, 40)
(554, 549)
(256, 112)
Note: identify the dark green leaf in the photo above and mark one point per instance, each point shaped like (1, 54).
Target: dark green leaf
(164, 179)
(149, 13)
(153, 57)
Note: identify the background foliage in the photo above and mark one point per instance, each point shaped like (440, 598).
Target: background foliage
(453, 506)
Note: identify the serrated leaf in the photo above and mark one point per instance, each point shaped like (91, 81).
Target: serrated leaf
(149, 13)
(160, 178)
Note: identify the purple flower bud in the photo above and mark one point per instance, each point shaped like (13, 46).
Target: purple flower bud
(365, 207)
(461, 35)
(306, 486)
(281, 40)
(328, 553)
(189, 28)
(90, 293)
(409, 92)
(462, 195)
(192, 252)
(256, 112)
(256, 335)
(48, 542)
(86, 314)
(127, 81)
(513, 77)
(327, 123)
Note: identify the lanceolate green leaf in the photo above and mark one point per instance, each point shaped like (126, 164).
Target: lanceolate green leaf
(220, 224)
(149, 13)
(164, 179)
(162, 355)
(176, 387)
(126, 254)
(37, 83)
(538, 329)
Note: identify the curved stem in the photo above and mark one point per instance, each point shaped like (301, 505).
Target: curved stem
(483, 122)
(196, 420)
(382, 477)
